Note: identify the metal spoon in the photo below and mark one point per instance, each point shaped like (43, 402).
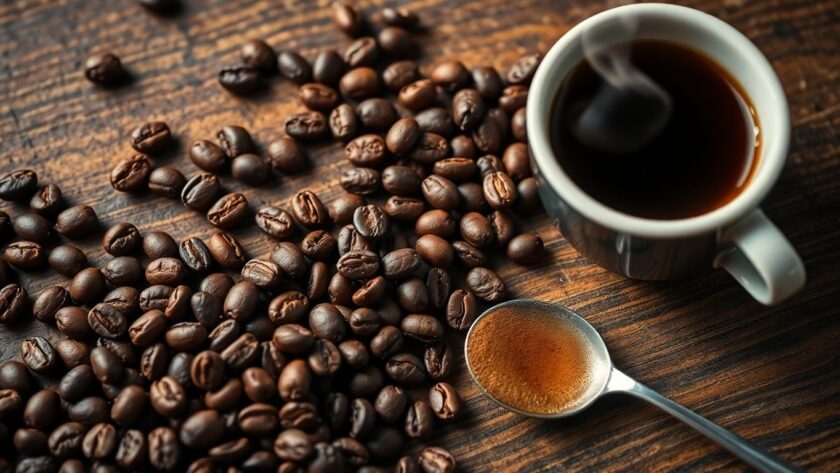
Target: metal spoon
(606, 379)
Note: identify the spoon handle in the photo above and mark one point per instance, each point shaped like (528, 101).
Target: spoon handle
(756, 457)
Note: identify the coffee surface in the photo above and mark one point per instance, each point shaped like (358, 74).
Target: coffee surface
(703, 158)
(530, 360)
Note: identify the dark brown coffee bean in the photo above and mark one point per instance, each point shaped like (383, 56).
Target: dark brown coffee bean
(318, 97)
(318, 245)
(419, 420)
(243, 352)
(370, 293)
(154, 297)
(286, 156)
(364, 322)
(424, 328)
(207, 370)
(153, 362)
(106, 365)
(87, 285)
(25, 255)
(518, 125)
(72, 322)
(38, 354)
(290, 259)
(326, 322)
(132, 174)
(344, 123)
(226, 250)
(147, 328)
(264, 274)
(347, 19)
(468, 109)
(151, 138)
(440, 192)
(406, 369)
(429, 148)
(499, 190)
(202, 430)
(14, 375)
(239, 79)
(241, 301)
(399, 74)
(293, 445)
(308, 210)
(486, 284)
(525, 249)
(104, 69)
(258, 54)
(121, 239)
(476, 230)
(324, 359)
(306, 125)
(513, 98)
(489, 164)
(401, 181)
(395, 41)
(418, 95)
(258, 384)
(216, 284)
(293, 338)
(435, 250)
(390, 404)
(439, 361)
(167, 396)
(457, 169)
(164, 451)
(201, 191)
(14, 303)
(402, 136)
(404, 209)
(517, 161)
(413, 296)
(360, 180)
(195, 255)
(166, 271)
(290, 306)
(366, 382)
(359, 83)
(107, 321)
(444, 401)
(18, 184)
(488, 82)
(29, 442)
(294, 381)
(437, 460)
(340, 290)
(275, 222)
(353, 451)
(208, 156)
(129, 405)
(159, 245)
(186, 336)
(463, 146)
(361, 52)
(223, 335)
(77, 222)
(401, 264)
(387, 341)
(503, 226)
(132, 450)
(435, 222)
(358, 264)
(488, 135)
(33, 227)
(229, 211)
(468, 254)
(366, 150)
(294, 67)
(250, 169)
(48, 303)
(363, 418)
(461, 310)
(100, 441)
(377, 114)
(522, 71)
(450, 75)
(328, 67)
(42, 410)
(67, 260)
(167, 182)
(73, 353)
(66, 439)
(371, 222)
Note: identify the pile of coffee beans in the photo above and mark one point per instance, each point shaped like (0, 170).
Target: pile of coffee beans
(328, 354)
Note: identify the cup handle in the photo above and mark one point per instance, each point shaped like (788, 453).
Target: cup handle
(760, 258)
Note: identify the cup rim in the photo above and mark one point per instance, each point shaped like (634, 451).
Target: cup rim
(773, 148)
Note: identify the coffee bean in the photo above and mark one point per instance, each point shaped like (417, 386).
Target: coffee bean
(401, 264)
(121, 239)
(234, 140)
(361, 52)
(440, 192)
(404, 209)
(461, 310)
(468, 109)
(413, 296)
(293, 338)
(106, 365)
(438, 284)
(371, 292)
(29, 442)
(239, 79)
(151, 138)
(155, 297)
(167, 396)
(242, 353)
(107, 321)
(522, 71)
(457, 169)
(386, 342)
(347, 19)
(226, 250)
(47, 201)
(14, 302)
(358, 264)
(377, 114)
(503, 226)
(439, 361)
(344, 123)
(308, 210)
(241, 301)
(33, 227)
(444, 401)
(42, 410)
(419, 420)
(207, 156)
(38, 354)
(290, 259)
(166, 271)
(132, 174)
(402, 17)
(488, 82)
(437, 460)
(129, 405)
(424, 328)
(324, 359)
(366, 382)
(250, 169)
(417, 95)
(147, 328)
(463, 146)
(327, 458)
(73, 353)
(435, 222)
(258, 54)
(77, 222)
(525, 249)
(67, 260)
(258, 419)
(186, 336)
(518, 126)
(307, 125)
(202, 429)
(318, 97)
(87, 285)
(371, 222)
(395, 41)
(132, 450)
(359, 83)
(286, 156)
(366, 150)
(72, 322)
(328, 67)
(390, 404)
(287, 307)
(164, 451)
(18, 184)
(476, 230)
(517, 161)
(104, 69)
(401, 181)
(49, 302)
(499, 190)
(406, 369)
(429, 148)
(166, 182)
(450, 75)
(359, 180)
(229, 211)
(207, 370)
(326, 322)
(319, 279)
(100, 441)
(488, 135)
(66, 439)
(25, 255)
(502, 119)
(399, 74)
(294, 67)
(486, 284)
(293, 445)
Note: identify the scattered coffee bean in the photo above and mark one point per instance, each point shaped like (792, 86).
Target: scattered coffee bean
(132, 174)
(240, 79)
(258, 54)
(361, 52)
(104, 69)
(25, 255)
(359, 83)
(48, 201)
(328, 67)
(33, 227)
(229, 211)
(294, 67)
(77, 222)
(167, 182)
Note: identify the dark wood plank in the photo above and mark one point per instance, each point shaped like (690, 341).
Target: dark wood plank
(770, 374)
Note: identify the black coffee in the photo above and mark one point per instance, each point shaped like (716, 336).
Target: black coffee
(703, 157)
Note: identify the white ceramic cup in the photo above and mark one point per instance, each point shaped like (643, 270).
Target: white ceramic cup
(737, 237)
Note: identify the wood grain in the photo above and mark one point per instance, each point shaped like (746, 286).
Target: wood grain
(771, 375)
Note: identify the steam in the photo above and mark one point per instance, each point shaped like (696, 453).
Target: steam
(630, 109)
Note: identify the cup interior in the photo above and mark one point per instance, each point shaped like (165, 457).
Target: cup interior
(693, 29)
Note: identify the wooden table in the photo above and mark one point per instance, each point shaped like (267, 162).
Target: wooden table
(771, 374)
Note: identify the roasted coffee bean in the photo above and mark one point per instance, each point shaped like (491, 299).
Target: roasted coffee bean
(360, 180)
(344, 123)
(275, 222)
(318, 97)
(166, 182)
(72, 352)
(522, 71)
(14, 302)
(122, 348)
(100, 441)
(499, 190)
(366, 383)
(371, 292)
(402, 17)
(525, 249)
(231, 450)
(326, 322)
(528, 198)
(461, 310)
(293, 338)
(258, 384)
(358, 264)
(207, 370)
(290, 259)
(225, 397)
(502, 119)
(195, 255)
(468, 109)
(258, 419)
(30, 442)
(202, 430)
(326, 458)
(306, 125)
(67, 260)
(488, 82)
(359, 83)
(371, 222)
(104, 69)
(216, 284)
(33, 227)
(318, 245)
(377, 114)
(354, 353)
(386, 342)
(456, 169)
(38, 354)
(18, 184)
(435, 251)
(132, 450)
(435, 222)
(503, 226)
(25, 255)
(167, 396)
(413, 296)
(147, 328)
(390, 404)
(402, 136)
(239, 79)
(107, 321)
(429, 148)
(49, 302)
(401, 181)
(476, 230)
(440, 192)
(406, 369)
(186, 336)
(234, 140)
(437, 460)
(444, 401)
(513, 98)
(129, 405)
(154, 297)
(350, 239)
(242, 353)
(489, 164)
(468, 254)
(488, 135)
(290, 306)
(77, 222)
(207, 156)
(439, 284)
(404, 209)
(450, 75)
(66, 439)
(14, 375)
(517, 161)
(395, 41)
(361, 52)
(153, 362)
(366, 150)
(201, 191)
(308, 210)
(179, 368)
(166, 271)
(324, 359)
(293, 445)
(364, 322)
(42, 410)
(159, 245)
(328, 67)
(463, 146)
(399, 74)
(264, 274)
(401, 264)
(121, 239)
(518, 125)
(241, 301)
(486, 284)
(72, 322)
(250, 169)
(271, 359)
(132, 174)
(419, 420)
(439, 361)
(347, 19)
(294, 67)
(362, 418)
(418, 95)
(106, 365)
(286, 156)
(353, 451)
(224, 334)
(151, 138)
(226, 250)
(164, 451)
(229, 211)
(258, 54)
(87, 285)
(424, 328)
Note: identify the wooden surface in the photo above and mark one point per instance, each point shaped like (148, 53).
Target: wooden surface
(771, 375)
